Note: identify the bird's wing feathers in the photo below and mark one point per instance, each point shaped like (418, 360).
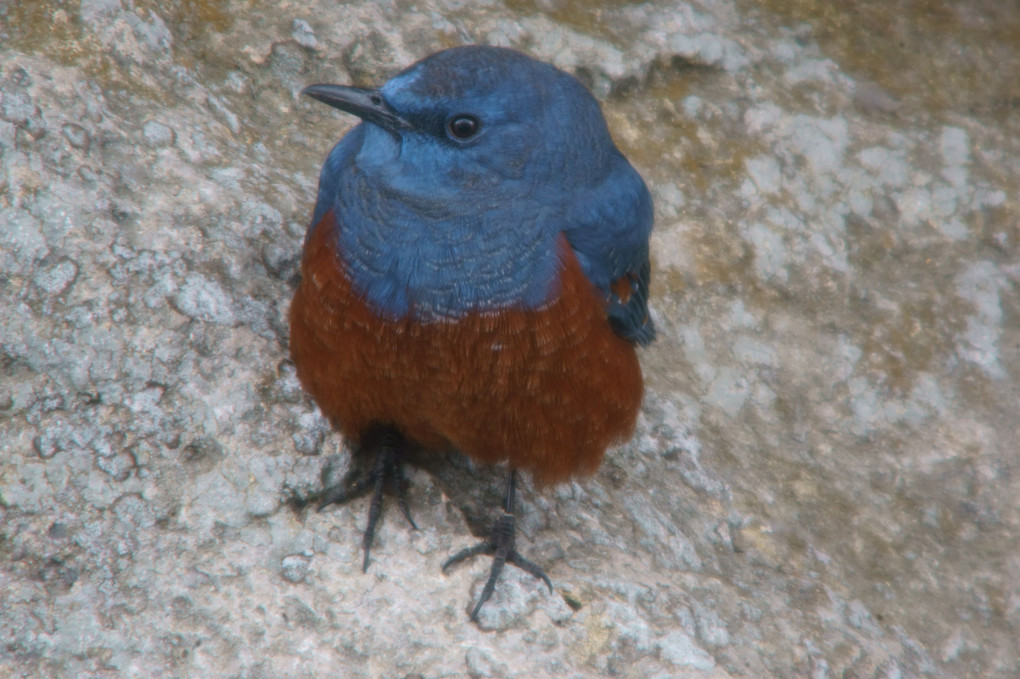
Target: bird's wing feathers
(609, 232)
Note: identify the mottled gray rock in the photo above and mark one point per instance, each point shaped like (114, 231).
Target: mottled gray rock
(156, 134)
(822, 482)
(294, 567)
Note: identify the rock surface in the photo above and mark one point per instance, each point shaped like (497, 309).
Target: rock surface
(825, 478)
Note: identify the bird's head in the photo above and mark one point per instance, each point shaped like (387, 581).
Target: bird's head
(478, 119)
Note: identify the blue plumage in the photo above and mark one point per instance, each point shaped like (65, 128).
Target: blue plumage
(475, 277)
(469, 165)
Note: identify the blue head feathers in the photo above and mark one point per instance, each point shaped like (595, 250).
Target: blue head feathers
(453, 192)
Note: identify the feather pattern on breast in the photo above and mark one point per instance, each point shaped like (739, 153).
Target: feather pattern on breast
(545, 389)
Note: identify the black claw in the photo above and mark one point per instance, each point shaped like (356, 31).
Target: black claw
(530, 567)
(501, 545)
(339, 495)
(465, 554)
(490, 586)
(400, 481)
(387, 465)
(375, 505)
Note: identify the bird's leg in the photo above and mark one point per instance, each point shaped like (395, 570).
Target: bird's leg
(387, 466)
(501, 545)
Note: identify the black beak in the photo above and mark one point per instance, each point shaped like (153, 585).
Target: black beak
(368, 105)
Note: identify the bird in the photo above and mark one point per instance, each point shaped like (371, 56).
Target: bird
(475, 277)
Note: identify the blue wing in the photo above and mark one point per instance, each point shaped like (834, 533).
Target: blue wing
(609, 231)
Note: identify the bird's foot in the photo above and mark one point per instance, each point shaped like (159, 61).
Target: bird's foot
(387, 466)
(501, 545)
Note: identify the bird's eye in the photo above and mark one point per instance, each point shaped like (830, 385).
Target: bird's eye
(463, 126)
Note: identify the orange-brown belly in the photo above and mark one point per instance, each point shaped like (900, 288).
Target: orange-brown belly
(546, 390)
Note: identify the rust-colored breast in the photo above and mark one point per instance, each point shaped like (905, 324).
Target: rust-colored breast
(546, 390)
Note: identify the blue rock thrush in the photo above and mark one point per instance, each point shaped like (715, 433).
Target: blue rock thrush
(475, 277)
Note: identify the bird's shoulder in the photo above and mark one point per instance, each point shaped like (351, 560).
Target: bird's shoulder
(609, 229)
(340, 157)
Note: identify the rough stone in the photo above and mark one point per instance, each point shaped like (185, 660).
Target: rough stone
(822, 482)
